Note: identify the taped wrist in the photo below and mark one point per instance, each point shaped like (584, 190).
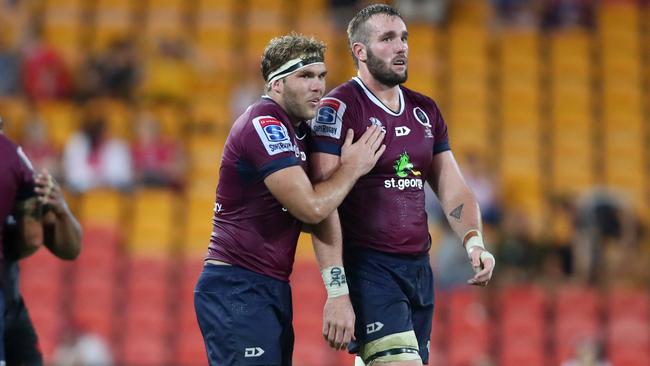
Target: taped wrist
(335, 281)
(475, 241)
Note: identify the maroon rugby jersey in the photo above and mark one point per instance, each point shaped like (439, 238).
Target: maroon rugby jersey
(251, 229)
(16, 180)
(385, 209)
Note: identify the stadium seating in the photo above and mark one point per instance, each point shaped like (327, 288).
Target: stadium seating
(553, 113)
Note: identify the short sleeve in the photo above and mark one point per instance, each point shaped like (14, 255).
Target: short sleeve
(334, 116)
(441, 137)
(267, 145)
(25, 176)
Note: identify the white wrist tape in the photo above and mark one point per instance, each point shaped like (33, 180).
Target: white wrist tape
(335, 281)
(487, 255)
(474, 241)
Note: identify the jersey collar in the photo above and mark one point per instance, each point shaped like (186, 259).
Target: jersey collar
(378, 102)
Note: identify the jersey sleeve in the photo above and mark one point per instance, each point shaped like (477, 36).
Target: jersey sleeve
(334, 117)
(441, 137)
(25, 176)
(267, 145)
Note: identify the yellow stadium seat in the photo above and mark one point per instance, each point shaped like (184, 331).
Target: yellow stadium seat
(198, 225)
(165, 18)
(13, 111)
(61, 120)
(102, 207)
(114, 19)
(154, 227)
(62, 28)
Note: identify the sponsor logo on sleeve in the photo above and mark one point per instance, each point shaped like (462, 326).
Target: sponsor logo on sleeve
(329, 118)
(274, 135)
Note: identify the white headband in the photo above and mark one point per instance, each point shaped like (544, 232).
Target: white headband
(292, 66)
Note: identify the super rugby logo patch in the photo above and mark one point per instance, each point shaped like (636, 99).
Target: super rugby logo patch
(329, 118)
(274, 134)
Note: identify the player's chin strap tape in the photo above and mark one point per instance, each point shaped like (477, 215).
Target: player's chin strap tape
(390, 352)
(292, 66)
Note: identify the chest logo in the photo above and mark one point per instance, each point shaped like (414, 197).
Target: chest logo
(423, 119)
(402, 131)
(376, 122)
(403, 165)
(407, 176)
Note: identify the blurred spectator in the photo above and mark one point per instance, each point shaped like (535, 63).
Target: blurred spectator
(82, 349)
(429, 11)
(567, 13)
(92, 159)
(44, 72)
(515, 13)
(603, 220)
(115, 73)
(247, 91)
(9, 67)
(342, 11)
(484, 187)
(157, 161)
(38, 147)
(169, 74)
(516, 253)
(588, 353)
(450, 265)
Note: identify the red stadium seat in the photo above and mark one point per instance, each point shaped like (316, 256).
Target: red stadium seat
(468, 327)
(523, 325)
(574, 324)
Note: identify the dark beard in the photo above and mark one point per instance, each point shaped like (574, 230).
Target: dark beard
(382, 72)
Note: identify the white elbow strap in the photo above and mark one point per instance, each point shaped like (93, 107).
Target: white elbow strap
(475, 241)
(335, 281)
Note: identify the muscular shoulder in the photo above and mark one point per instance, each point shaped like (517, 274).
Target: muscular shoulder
(420, 100)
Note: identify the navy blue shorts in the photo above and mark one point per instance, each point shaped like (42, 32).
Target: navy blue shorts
(2, 326)
(245, 317)
(20, 339)
(390, 294)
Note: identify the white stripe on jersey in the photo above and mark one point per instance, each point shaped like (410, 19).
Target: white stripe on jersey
(378, 102)
(24, 158)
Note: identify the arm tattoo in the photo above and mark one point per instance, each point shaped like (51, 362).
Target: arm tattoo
(457, 213)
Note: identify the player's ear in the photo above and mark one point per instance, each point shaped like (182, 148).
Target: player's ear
(277, 86)
(359, 51)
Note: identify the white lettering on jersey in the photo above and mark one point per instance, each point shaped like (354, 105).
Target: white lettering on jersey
(24, 158)
(218, 207)
(253, 352)
(329, 118)
(274, 134)
(402, 131)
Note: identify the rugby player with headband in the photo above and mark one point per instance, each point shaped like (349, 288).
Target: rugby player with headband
(383, 220)
(263, 199)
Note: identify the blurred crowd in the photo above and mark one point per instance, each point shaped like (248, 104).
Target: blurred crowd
(594, 239)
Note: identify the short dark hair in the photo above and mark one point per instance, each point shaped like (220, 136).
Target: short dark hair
(285, 48)
(357, 30)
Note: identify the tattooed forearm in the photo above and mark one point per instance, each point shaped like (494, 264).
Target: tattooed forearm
(457, 213)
